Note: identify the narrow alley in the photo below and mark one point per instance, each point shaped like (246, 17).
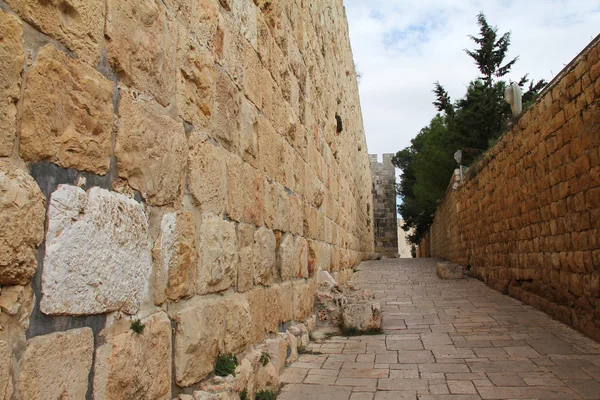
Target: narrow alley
(447, 340)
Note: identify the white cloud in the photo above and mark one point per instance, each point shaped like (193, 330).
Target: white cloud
(402, 47)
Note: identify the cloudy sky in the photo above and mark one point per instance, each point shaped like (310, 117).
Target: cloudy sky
(402, 47)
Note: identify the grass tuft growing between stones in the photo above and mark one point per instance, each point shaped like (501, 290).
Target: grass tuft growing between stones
(244, 394)
(137, 326)
(265, 395)
(354, 331)
(265, 358)
(225, 364)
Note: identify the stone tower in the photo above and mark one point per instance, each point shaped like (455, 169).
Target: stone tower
(384, 205)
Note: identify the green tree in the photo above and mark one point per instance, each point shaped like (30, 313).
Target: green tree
(470, 124)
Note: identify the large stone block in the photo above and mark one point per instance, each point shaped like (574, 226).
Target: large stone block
(22, 214)
(270, 145)
(304, 300)
(287, 301)
(276, 206)
(226, 117)
(6, 387)
(199, 17)
(230, 48)
(272, 317)
(142, 46)
(256, 301)
(150, 149)
(198, 341)
(253, 195)
(237, 323)
(218, 260)
(195, 81)
(98, 256)
(67, 113)
(296, 215)
(234, 207)
(175, 258)
(255, 77)
(264, 257)
(292, 257)
(77, 24)
(136, 366)
(57, 366)
(207, 176)
(248, 134)
(11, 66)
(245, 272)
(362, 315)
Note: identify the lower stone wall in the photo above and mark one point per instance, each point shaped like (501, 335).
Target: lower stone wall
(526, 220)
(173, 175)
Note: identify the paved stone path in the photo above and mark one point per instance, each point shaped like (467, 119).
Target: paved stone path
(447, 340)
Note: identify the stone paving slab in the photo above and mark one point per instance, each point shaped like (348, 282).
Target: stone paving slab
(455, 340)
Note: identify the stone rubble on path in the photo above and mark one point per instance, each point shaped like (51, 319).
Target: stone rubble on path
(446, 339)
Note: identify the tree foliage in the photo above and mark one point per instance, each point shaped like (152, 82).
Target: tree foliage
(469, 124)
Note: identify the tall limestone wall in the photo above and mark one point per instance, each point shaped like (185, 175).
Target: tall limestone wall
(526, 220)
(384, 203)
(188, 163)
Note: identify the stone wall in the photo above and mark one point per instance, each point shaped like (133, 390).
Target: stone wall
(526, 220)
(188, 163)
(384, 203)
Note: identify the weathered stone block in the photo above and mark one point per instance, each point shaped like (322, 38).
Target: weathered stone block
(287, 301)
(245, 272)
(207, 169)
(22, 215)
(253, 195)
(447, 270)
(174, 256)
(363, 315)
(303, 300)
(237, 323)
(6, 387)
(276, 206)
(296, 215)
(277, 349)
(269, 148)
(226, 118)
(67, 113)
(272, 316)
(197, 349)
(150, 149)
(142, 46)
(57, 365)
(195, 80)
(132, 365)
(264, 257)
(199, 17)
(234, 206)
(292, 257)
(77, 24)
(11, 66)
(97, 253)
(230, 48)
(254, 77)
(218, 260)
(257, 303)
(248, 134)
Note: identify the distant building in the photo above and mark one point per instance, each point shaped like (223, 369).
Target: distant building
(384, 205)
(404, 248)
